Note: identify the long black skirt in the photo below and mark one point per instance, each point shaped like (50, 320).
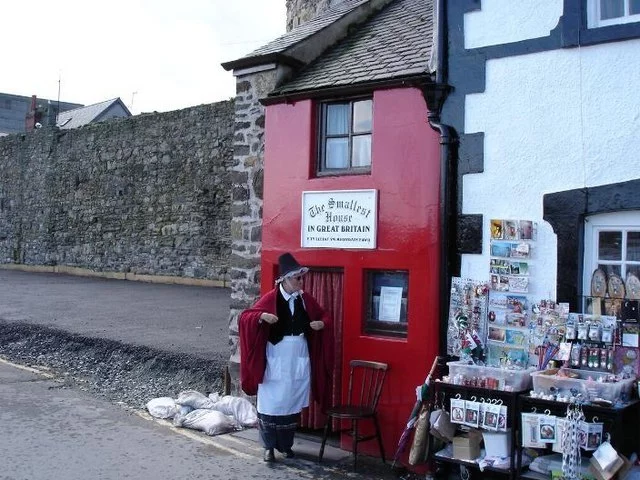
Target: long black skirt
(277, 431)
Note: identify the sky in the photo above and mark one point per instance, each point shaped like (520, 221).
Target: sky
(156, 55)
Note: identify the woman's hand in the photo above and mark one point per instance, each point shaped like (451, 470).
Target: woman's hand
(268, 317)
(317, 325)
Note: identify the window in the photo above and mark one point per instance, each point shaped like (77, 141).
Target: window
(386, 302)
(345, 136)
(612, 243)
(603, 13)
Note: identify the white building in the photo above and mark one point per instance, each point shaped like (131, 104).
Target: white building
(546, 105)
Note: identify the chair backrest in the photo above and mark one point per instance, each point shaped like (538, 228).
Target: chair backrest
(365, 383)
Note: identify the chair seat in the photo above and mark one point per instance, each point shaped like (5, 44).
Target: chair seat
(350, 411)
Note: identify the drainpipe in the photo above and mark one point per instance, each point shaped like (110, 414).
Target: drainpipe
(435, 95)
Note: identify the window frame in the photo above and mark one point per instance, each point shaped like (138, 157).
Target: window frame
(321, 136)
(625, 222)
(594, 21)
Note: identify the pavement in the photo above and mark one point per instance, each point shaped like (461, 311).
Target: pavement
(166, 318)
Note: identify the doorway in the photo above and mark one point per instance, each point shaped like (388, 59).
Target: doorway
(326, 286)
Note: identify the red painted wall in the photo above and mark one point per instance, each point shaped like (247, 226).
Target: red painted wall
(405, 171)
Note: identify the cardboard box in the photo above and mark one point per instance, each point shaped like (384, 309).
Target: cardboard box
(608, 474)
(497, 444)
(467, 445)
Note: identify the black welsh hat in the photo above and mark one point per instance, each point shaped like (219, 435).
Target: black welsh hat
(289, 267)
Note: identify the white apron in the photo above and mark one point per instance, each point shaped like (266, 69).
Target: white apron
(287, 379)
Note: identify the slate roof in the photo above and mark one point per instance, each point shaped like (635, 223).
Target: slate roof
(84, 115)
(301, 32)
(396, 42)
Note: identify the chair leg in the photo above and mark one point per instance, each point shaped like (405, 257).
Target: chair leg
(354, 431)
(379, 437)
(327, 427)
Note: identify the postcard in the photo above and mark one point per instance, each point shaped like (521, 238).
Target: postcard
(499, 354)
(519, 284)
(496, 334)
(520, 250)
(497, 229)
(515, 337)
(497, 265)
(501, 249)
(519, 268)
(516, 319)
(498, 300)
(511, 230)
(526, 230)
(517, 303)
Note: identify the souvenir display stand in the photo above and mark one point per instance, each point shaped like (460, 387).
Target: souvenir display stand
(614, 421)
(566, 383)
(446, 392)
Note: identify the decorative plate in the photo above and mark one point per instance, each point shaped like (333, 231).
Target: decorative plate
(598, 283)
(633, 287)
(615, 286)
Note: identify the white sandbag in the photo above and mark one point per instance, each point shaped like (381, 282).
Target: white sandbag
(194, 399)
(211, 422)
(215, 396)
(240, 408)
(162, 407)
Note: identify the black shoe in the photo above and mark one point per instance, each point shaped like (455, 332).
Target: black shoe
(269, 456)
(289, 454)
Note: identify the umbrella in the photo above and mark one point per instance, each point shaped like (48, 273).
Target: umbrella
(413, 417)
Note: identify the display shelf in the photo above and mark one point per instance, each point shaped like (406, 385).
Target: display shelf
(614, 420)
(531, 475)
(471, 464)
(446, 391)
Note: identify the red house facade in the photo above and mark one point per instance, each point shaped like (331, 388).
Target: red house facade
(351, 131)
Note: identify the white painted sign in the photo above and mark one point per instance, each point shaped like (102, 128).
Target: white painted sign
(339, 219)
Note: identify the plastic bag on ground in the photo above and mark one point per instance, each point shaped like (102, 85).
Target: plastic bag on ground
(240, 408)
(194, 399)
(162, 407)
(211, 422)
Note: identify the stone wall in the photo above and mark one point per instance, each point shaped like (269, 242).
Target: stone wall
(148, 195)
(247, 184)
(301, 11)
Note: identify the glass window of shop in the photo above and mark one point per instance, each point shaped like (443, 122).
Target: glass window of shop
(612, 244)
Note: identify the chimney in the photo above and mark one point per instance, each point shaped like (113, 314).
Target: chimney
(301, 11)
(30, 119)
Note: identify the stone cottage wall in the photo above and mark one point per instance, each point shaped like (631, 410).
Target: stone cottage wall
(147, 195)
(247, 176)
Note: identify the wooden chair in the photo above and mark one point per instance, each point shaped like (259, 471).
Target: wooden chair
(365, 386)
